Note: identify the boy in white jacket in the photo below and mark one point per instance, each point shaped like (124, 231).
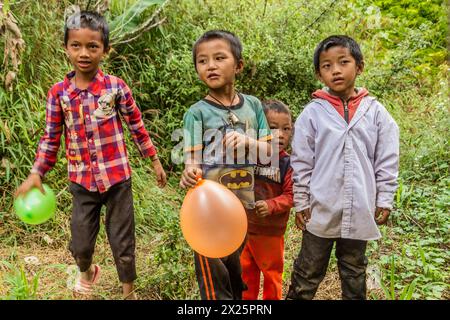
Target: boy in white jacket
(345, 154)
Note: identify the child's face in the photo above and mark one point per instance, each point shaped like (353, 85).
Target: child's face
(216, 65)
(281, 125)
(85, 50)
(338, 71)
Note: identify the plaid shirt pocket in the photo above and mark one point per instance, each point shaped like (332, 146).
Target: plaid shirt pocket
(106, 105)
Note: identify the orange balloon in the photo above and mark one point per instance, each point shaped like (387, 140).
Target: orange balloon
(213, 219)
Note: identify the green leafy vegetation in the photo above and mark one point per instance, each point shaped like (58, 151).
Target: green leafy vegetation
(404, 45)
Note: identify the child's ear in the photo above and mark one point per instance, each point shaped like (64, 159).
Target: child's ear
(239, 66)
(106, 52)
(318, 76)
(360, 68)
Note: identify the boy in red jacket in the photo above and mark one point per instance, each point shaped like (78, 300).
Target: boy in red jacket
(264, 249)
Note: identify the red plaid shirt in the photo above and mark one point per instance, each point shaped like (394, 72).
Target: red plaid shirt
(95, 143)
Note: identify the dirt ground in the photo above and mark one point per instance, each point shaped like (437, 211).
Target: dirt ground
(55, 269)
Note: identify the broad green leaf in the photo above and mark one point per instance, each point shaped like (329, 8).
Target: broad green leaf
(130, 18)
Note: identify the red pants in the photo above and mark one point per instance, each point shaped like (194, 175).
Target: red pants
(263, 254)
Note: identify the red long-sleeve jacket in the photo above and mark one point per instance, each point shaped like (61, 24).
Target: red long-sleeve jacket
(273, 185)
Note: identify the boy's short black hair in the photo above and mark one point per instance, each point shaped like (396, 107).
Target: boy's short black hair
(342, 41)
(276, 106)
(87, 19)
(231, 38)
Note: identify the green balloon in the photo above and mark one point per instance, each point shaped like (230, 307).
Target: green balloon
(35, 207)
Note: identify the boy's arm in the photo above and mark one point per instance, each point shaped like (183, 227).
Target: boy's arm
(262, 146)
(193, 148)
(192, 169)
(386, 159)
(263, 149)
(302, 160)
(133, 118)
(259, 151)
(283, 202)
(255, 141)
(49, 143)
(190, 176)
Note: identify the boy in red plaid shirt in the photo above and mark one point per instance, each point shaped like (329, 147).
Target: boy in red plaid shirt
(87, 106)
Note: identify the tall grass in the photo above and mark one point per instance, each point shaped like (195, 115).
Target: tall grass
(279, 38)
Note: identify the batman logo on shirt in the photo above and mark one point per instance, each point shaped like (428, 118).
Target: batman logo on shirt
(237, 179)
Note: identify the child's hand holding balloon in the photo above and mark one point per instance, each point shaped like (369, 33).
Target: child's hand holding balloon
(190, 177)
(33, 181)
